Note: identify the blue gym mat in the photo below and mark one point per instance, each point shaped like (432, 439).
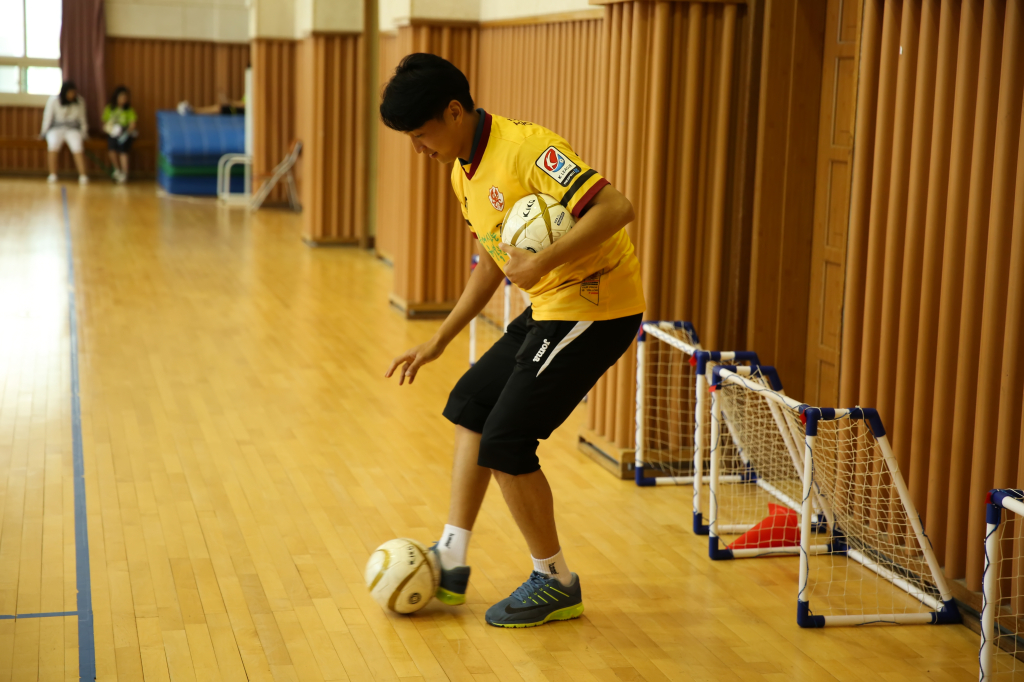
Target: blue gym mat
(193, 142)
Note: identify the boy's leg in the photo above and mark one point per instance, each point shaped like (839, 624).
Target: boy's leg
(468, 407)
(469, 480)
(558, 363)
(532, 505)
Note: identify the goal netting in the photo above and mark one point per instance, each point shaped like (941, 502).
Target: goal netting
(507, 303)
(1002, 634)
(673, 409)
(756, 480)
(878, 565)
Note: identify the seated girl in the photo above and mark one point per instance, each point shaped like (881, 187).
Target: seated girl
(64, 122)
(119, 121)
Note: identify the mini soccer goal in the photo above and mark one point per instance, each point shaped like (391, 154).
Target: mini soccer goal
(486, 328)
(878, 566)
(756, 479)
(1002, 613)
(673, 409)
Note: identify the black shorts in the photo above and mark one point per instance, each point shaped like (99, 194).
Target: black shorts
(121, 147)
(530, 381)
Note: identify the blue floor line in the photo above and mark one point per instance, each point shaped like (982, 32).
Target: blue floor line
(86, 642)
(52, 614)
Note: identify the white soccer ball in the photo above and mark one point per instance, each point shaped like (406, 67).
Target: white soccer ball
(402, 575)
(535, 222)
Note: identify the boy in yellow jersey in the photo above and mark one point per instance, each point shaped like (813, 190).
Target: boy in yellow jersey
(586, 308)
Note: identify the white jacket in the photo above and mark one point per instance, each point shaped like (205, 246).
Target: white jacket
(57, 115)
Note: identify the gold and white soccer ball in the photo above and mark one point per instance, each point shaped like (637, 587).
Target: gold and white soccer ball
(402, 575)
(535, 222)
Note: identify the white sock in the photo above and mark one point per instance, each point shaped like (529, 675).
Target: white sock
(452, 547)
(553, 567)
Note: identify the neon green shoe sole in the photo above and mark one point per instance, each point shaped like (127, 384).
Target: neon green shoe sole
(450, 598)
(568, 613)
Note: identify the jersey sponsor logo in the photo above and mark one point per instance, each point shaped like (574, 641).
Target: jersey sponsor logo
(558, 166)
(540, 353)
(497, 198)
(553, 161)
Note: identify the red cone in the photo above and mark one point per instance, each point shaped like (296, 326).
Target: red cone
(781, 528)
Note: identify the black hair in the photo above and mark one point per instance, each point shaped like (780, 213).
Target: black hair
(67, 85)
(421, 89)
(117, 93)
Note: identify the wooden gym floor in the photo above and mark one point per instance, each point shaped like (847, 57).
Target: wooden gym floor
(243, 455)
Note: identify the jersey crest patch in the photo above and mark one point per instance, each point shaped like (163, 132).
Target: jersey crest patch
(497, 198)
(558, 166)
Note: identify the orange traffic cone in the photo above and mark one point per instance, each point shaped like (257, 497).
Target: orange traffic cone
(781, 528)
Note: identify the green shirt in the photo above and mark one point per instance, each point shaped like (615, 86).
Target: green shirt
(119, 116)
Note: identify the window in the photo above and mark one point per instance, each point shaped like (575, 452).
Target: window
(29, 50)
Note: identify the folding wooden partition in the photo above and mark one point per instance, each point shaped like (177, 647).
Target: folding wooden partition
(562, 98)
(933, 300)
(274, 85)
(668, 133)
(391, 152)
(331, 103)
(419, 224)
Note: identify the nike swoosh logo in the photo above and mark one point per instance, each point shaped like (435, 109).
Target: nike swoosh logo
(512, 609)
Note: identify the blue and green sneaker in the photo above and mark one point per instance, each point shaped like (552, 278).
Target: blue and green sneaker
(452, 590)
(537, 601)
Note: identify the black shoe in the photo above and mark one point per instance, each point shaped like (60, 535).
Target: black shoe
(537, 601)
(452, 590)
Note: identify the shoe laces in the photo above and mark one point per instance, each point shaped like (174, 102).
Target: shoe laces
(533, 584)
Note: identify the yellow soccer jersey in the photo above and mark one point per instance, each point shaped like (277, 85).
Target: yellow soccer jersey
(511, 159)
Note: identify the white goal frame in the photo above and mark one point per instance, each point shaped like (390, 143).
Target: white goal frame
(763, 381)
(702, 360)
(1002, 615)
(942, 608)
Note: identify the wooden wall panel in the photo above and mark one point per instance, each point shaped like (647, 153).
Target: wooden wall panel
(831, 202)
(274, 77)
(675, 158)
(783, 220)
(933, 314)
(554, 98)
(419, 224)
(392, 151)
(331, 123)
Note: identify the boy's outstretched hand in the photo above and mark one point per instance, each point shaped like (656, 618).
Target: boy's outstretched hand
(414, 358)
